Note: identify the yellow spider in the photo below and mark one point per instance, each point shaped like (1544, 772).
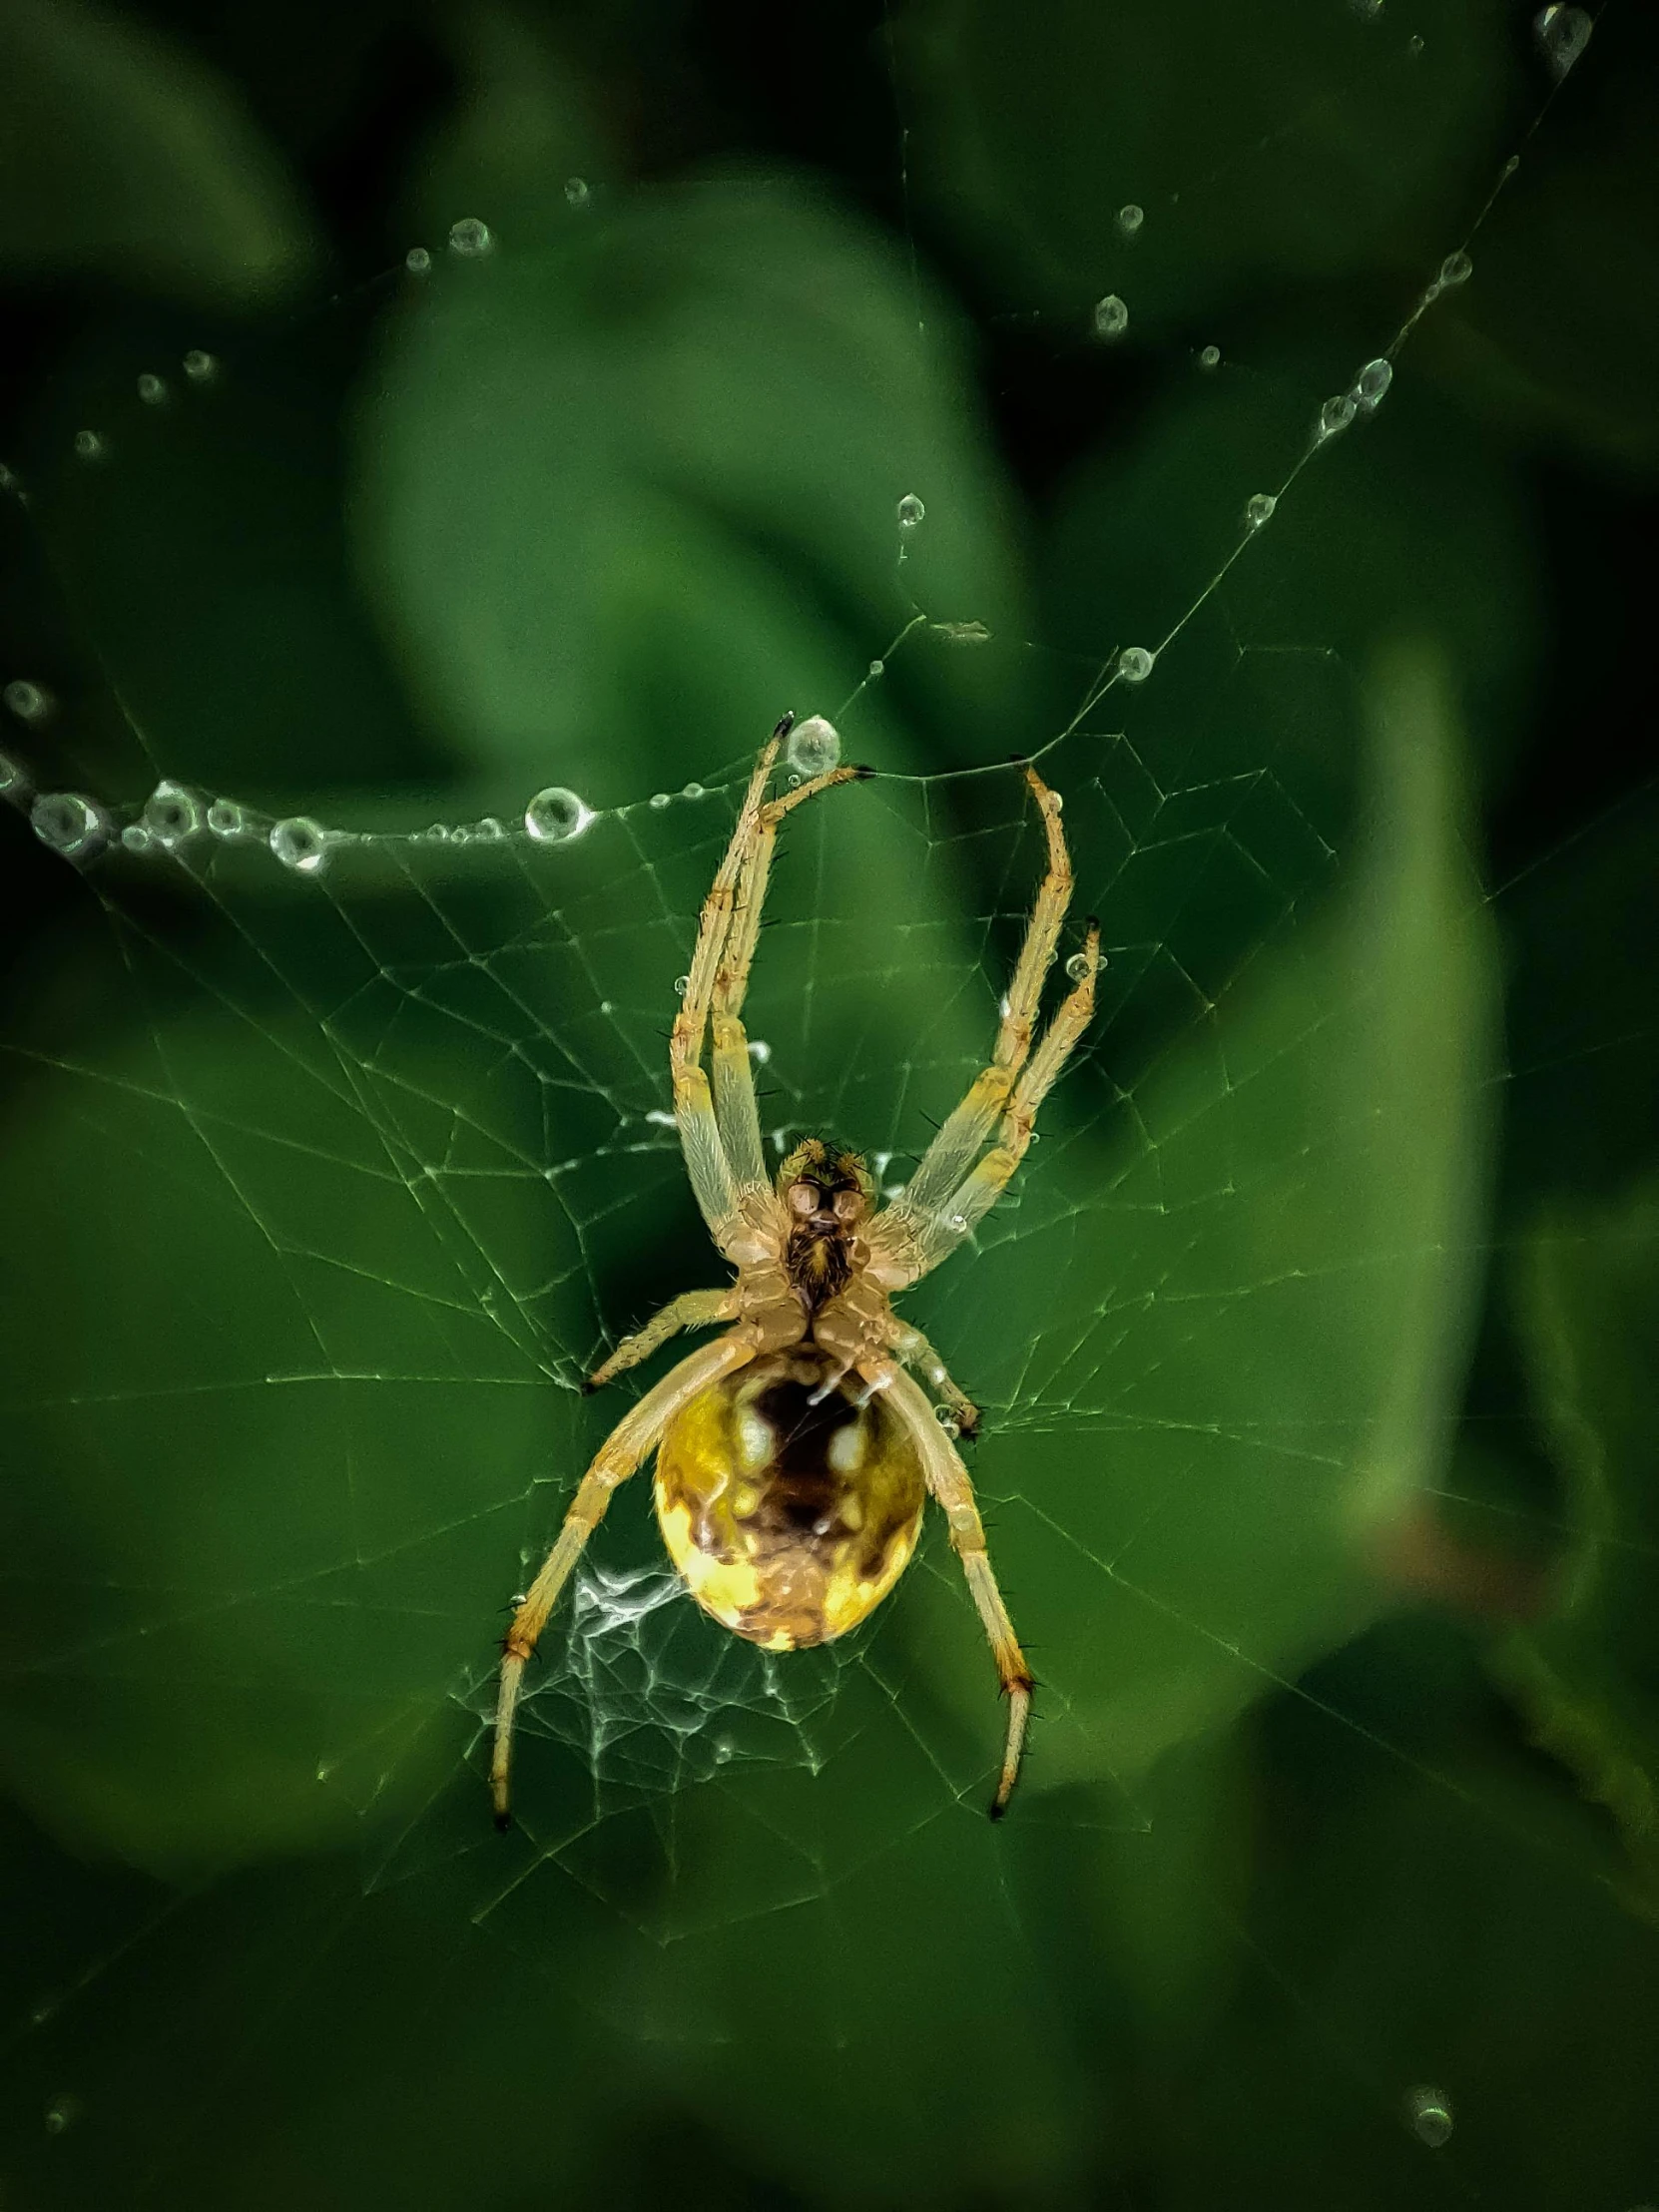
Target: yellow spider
(795, 1454)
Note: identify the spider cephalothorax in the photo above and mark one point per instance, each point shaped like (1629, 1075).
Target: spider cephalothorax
(826, 1193)
(795, 1454)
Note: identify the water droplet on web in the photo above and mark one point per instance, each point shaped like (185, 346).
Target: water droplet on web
(1335, 415)
(693, 790)
(172, 814)
(958, 1222)
(1130, 218)
(815, 745)
(29, 702)
(62, 2112)
(911, 512)
(69, 824)
(89, 446)
(199, 367)
(470, 237)
(1135, 664)
(555, 816)
(1209, 357)
(1457, 268)
(948, 1420)
(1372, 383)
(1079, 966)
(1413, 45)
(1428, 2115)
(682, 984)
(1111, 316)
(1258, 509)
(725, 1752)
(151, 390)
(301, 844)
(490, 829)
(418, 261)
(576, 191)
(12, 777)
(227, 820)
(1369, 9)
(759, 1051)
(1563, 34)
(877, 667)
(136, 838)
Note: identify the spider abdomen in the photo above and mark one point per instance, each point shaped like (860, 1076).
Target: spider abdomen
(790, 1515)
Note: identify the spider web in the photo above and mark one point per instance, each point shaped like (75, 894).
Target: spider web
(340, 1150)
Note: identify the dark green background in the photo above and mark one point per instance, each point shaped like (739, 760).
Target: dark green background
(1316, 1340)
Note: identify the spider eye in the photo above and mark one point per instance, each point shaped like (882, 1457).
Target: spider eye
(848, 1205)
(804, 1197)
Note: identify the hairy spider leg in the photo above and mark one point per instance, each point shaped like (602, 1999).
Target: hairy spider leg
(690, 1310)
(618, 1456)
(974, 1196)
(735, 1105)
(915, 1350)
(727, 925)
(949, 1482)
(968, 1127)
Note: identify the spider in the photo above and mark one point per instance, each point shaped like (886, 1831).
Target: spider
(795, 1452)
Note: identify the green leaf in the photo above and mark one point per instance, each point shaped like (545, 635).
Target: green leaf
(124, 154)
(1587, 1679)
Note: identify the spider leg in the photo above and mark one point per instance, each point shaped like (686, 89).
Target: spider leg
(707, 1163)
(735, 1106)
(690, 1310)
(633, 1437)
(948, 1481)
(957, 1144)
(948, 1195)
(977, 1193)
(915, 1350)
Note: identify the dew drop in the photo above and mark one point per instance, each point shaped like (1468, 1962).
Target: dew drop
(877, 667)
(576, 191)
(1335, 414)
(1413, 45)
(682, 984)
(151, 390)
(555, 816)
(199, 367)
(1428, 2115)
(1258, 509)
(437, 832)
(489, 829)
(1079, 968)
(958, 1222)
(1135, 664)
(29, 702)
(301, 844)
(418, 261)
(1130, 218)
(89, 446)
(1563, 34)
(1209, 357)
(136, 838)
(61, 2114)
(911, 512)
(1372, 383)
(659, 800)
(69, 824)
(1111, 316)
(12, 777)
(171, 815)
(814, 746)
(725, 1752)
(1457, 268)
(227, 820)
(759, 1051)
(470, 237)
(948, 1420)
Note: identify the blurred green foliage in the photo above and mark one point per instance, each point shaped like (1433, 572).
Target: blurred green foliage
(321, 1195)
